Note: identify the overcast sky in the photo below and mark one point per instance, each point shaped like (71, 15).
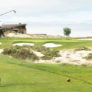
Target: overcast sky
(50, 16)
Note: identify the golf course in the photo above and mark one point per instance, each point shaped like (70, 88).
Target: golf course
(18, 75)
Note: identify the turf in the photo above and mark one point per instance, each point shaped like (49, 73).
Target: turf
(19, 76)
(66, 44)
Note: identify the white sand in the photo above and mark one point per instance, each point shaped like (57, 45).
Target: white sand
(51, 45)
(21, 44)
(1, 50)
(69, 57)
(73, 57)
(39, 54)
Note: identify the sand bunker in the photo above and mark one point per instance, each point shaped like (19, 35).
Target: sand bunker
(1, 50)
(39, 54)
(69, 57)
(74, 57)
(51, 45)
(22, 44)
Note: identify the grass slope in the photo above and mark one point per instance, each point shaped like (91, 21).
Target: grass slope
(19, 76)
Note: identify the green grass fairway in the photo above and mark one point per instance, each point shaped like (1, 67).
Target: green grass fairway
(67, 44)
(20, 76)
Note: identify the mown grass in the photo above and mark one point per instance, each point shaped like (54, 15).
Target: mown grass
(66, 44)
(20, 76)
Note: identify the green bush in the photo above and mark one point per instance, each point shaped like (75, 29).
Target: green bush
(58, 61)
(20, 52)
(49, 53)
(89, 57)
(82, 48)
(25, 52)
(39, 48)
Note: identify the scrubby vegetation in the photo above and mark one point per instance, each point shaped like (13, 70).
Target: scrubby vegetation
(82, 48)
(26, 52)
(49, 53)
(20, 52)
(89, 56)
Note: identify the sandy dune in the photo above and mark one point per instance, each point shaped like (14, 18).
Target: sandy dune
(69, 57)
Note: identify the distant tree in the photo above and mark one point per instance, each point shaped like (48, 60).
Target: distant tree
(67, 31)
